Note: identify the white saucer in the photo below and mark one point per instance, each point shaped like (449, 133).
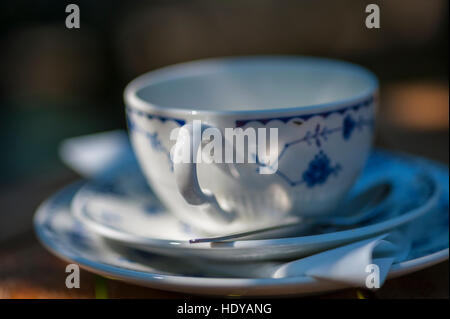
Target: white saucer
(72, 241)
(121, 207)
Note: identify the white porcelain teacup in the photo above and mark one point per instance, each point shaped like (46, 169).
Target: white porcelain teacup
(324, 113)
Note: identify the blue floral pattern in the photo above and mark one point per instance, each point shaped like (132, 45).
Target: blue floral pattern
(155, 142)
(317, 173)
(319, 169)
(355, 107)
(348, 126)
(59, 231)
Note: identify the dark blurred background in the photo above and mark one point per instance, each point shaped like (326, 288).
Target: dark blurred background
(58, 82)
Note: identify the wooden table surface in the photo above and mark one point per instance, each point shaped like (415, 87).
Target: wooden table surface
(27, 270)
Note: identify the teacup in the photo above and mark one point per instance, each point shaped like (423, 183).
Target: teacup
(323, 112)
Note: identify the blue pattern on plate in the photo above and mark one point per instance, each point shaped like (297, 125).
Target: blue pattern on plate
(59, 231)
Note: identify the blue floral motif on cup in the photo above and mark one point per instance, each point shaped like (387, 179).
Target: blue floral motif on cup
(348, 126)
(319, 169)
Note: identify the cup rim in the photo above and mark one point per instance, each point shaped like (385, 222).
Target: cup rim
(198, 67)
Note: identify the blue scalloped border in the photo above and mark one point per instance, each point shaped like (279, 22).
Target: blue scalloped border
(239, 123)
(163, 119)
(367, 102)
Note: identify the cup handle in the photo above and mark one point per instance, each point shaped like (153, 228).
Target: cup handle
(186, 148)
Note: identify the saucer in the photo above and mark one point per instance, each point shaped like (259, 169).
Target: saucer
(122, 208)
(69, 239)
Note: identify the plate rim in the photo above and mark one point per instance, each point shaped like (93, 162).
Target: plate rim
(148, 244)
(214, 285)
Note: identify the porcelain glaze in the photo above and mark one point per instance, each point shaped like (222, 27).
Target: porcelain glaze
(121, 207)
(63, 235)
(323, 140)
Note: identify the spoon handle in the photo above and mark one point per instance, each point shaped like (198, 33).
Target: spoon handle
(243, 235)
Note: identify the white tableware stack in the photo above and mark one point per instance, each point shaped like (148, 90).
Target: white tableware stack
(323, 211)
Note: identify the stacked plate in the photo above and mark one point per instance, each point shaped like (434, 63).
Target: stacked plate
(113, 225)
